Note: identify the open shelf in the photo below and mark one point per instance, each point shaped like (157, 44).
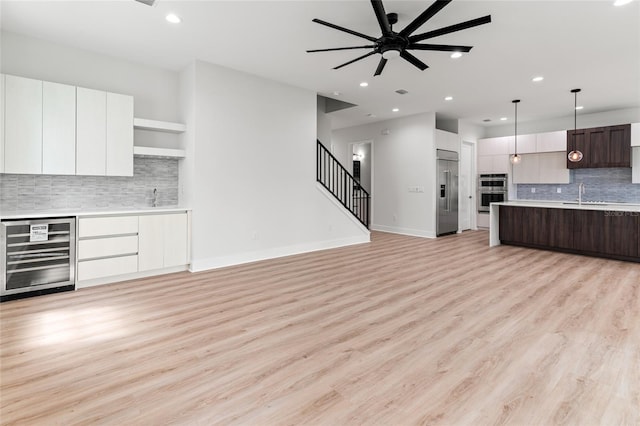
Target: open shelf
(158, 126)
(147, 151)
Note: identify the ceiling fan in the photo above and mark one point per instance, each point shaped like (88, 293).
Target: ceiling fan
(392, 44)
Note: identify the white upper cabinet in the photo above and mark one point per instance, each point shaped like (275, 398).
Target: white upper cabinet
(1, 123)
(495, 146)
(526, 144)
(545, 167)
(635, 134)
(528, 170)
(58, 129)
(119, 135)
(552, 141)
(91, 132)
(23, 125)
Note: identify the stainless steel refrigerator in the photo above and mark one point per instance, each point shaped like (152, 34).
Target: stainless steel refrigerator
(447, 192)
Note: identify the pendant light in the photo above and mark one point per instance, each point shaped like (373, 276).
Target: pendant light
(515, 158)
(575, 155)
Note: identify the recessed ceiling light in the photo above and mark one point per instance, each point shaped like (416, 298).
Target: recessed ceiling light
(621, 2)
(448, 98)
(579, 107)
(173, 18)
(336, 93)
(456, 55)
(537, 79)
(503, 118)
(395, 109)
(364, 84)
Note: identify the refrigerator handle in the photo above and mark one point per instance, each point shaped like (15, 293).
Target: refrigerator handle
(447, 174)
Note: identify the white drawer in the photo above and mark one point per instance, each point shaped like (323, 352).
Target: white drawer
(90, 269)
(102, 247)
(101, 226)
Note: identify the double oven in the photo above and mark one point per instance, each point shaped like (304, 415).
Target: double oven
(492, 188)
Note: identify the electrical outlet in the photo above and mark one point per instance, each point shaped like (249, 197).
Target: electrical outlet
(559, 190)
(533, 190)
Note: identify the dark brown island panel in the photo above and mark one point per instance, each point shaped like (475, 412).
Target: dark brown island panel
(603, 233)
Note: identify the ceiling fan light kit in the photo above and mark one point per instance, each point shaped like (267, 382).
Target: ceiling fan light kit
(392, 44)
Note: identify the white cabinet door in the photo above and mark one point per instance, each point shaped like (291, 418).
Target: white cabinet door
(150, 242)
(58, 129)
(107, 226)
(1, 123)
(528, 170)
(485, 163)
(552, 141)
(635, 134)
(495, 146)
(119, 135)
(23, 125)
(635, 164)
(175, 240)
(526, 144)
(553, 167)
(501, 164)
(91, 132)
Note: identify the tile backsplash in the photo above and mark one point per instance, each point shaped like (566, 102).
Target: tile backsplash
(53, 192)
(610, 185)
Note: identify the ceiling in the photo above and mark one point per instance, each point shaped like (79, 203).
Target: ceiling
(588, 44)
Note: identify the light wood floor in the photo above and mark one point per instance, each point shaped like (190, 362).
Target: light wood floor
(400, 331)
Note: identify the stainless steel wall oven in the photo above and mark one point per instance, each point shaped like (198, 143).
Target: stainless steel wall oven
(37, 254)
(492, 188)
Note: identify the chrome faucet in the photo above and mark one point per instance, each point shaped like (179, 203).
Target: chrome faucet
(580, 192)
(154, 202)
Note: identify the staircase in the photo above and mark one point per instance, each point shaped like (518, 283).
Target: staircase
(341, 184)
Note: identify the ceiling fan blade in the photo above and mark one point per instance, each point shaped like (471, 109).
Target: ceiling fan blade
(378, 8)
(342, 48)
(440, 47)
(424, 17)
(346, 30)
(451, 29)
(381, 65)
(356, 59)
(414, 61)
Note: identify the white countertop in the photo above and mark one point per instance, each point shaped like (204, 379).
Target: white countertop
(92, 212)
(624, 207)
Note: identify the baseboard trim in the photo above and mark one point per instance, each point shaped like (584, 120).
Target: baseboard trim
(198, 265)
(132, 276)
(404, 231)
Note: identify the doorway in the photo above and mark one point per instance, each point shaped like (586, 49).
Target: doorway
(361, 156)
(466, 194)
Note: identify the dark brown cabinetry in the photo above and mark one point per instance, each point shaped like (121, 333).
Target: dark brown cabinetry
(603, 233)
(601, 146)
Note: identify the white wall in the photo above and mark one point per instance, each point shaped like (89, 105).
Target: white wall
(402, 158)
(253, 190)
(323, 132)
(155, 90)
(607, 118)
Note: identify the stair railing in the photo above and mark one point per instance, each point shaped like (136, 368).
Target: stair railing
(341, 184)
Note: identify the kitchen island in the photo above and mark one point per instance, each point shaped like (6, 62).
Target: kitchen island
(605, 230)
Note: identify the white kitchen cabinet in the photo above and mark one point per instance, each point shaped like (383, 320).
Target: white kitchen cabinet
(151, 242)
(100, 268)
(176, 240)
(1, 123)
(23, 125)
(162, 241)
(526, 144)
(635, 134)
(553, 167)
(548, 167)
(635, 164)
(447, 140)
(495, 146)
(528, 170)
(107, 226)
(58, 129)
(119, 135)
(91, 132)
(552, 141)
(494, 164)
